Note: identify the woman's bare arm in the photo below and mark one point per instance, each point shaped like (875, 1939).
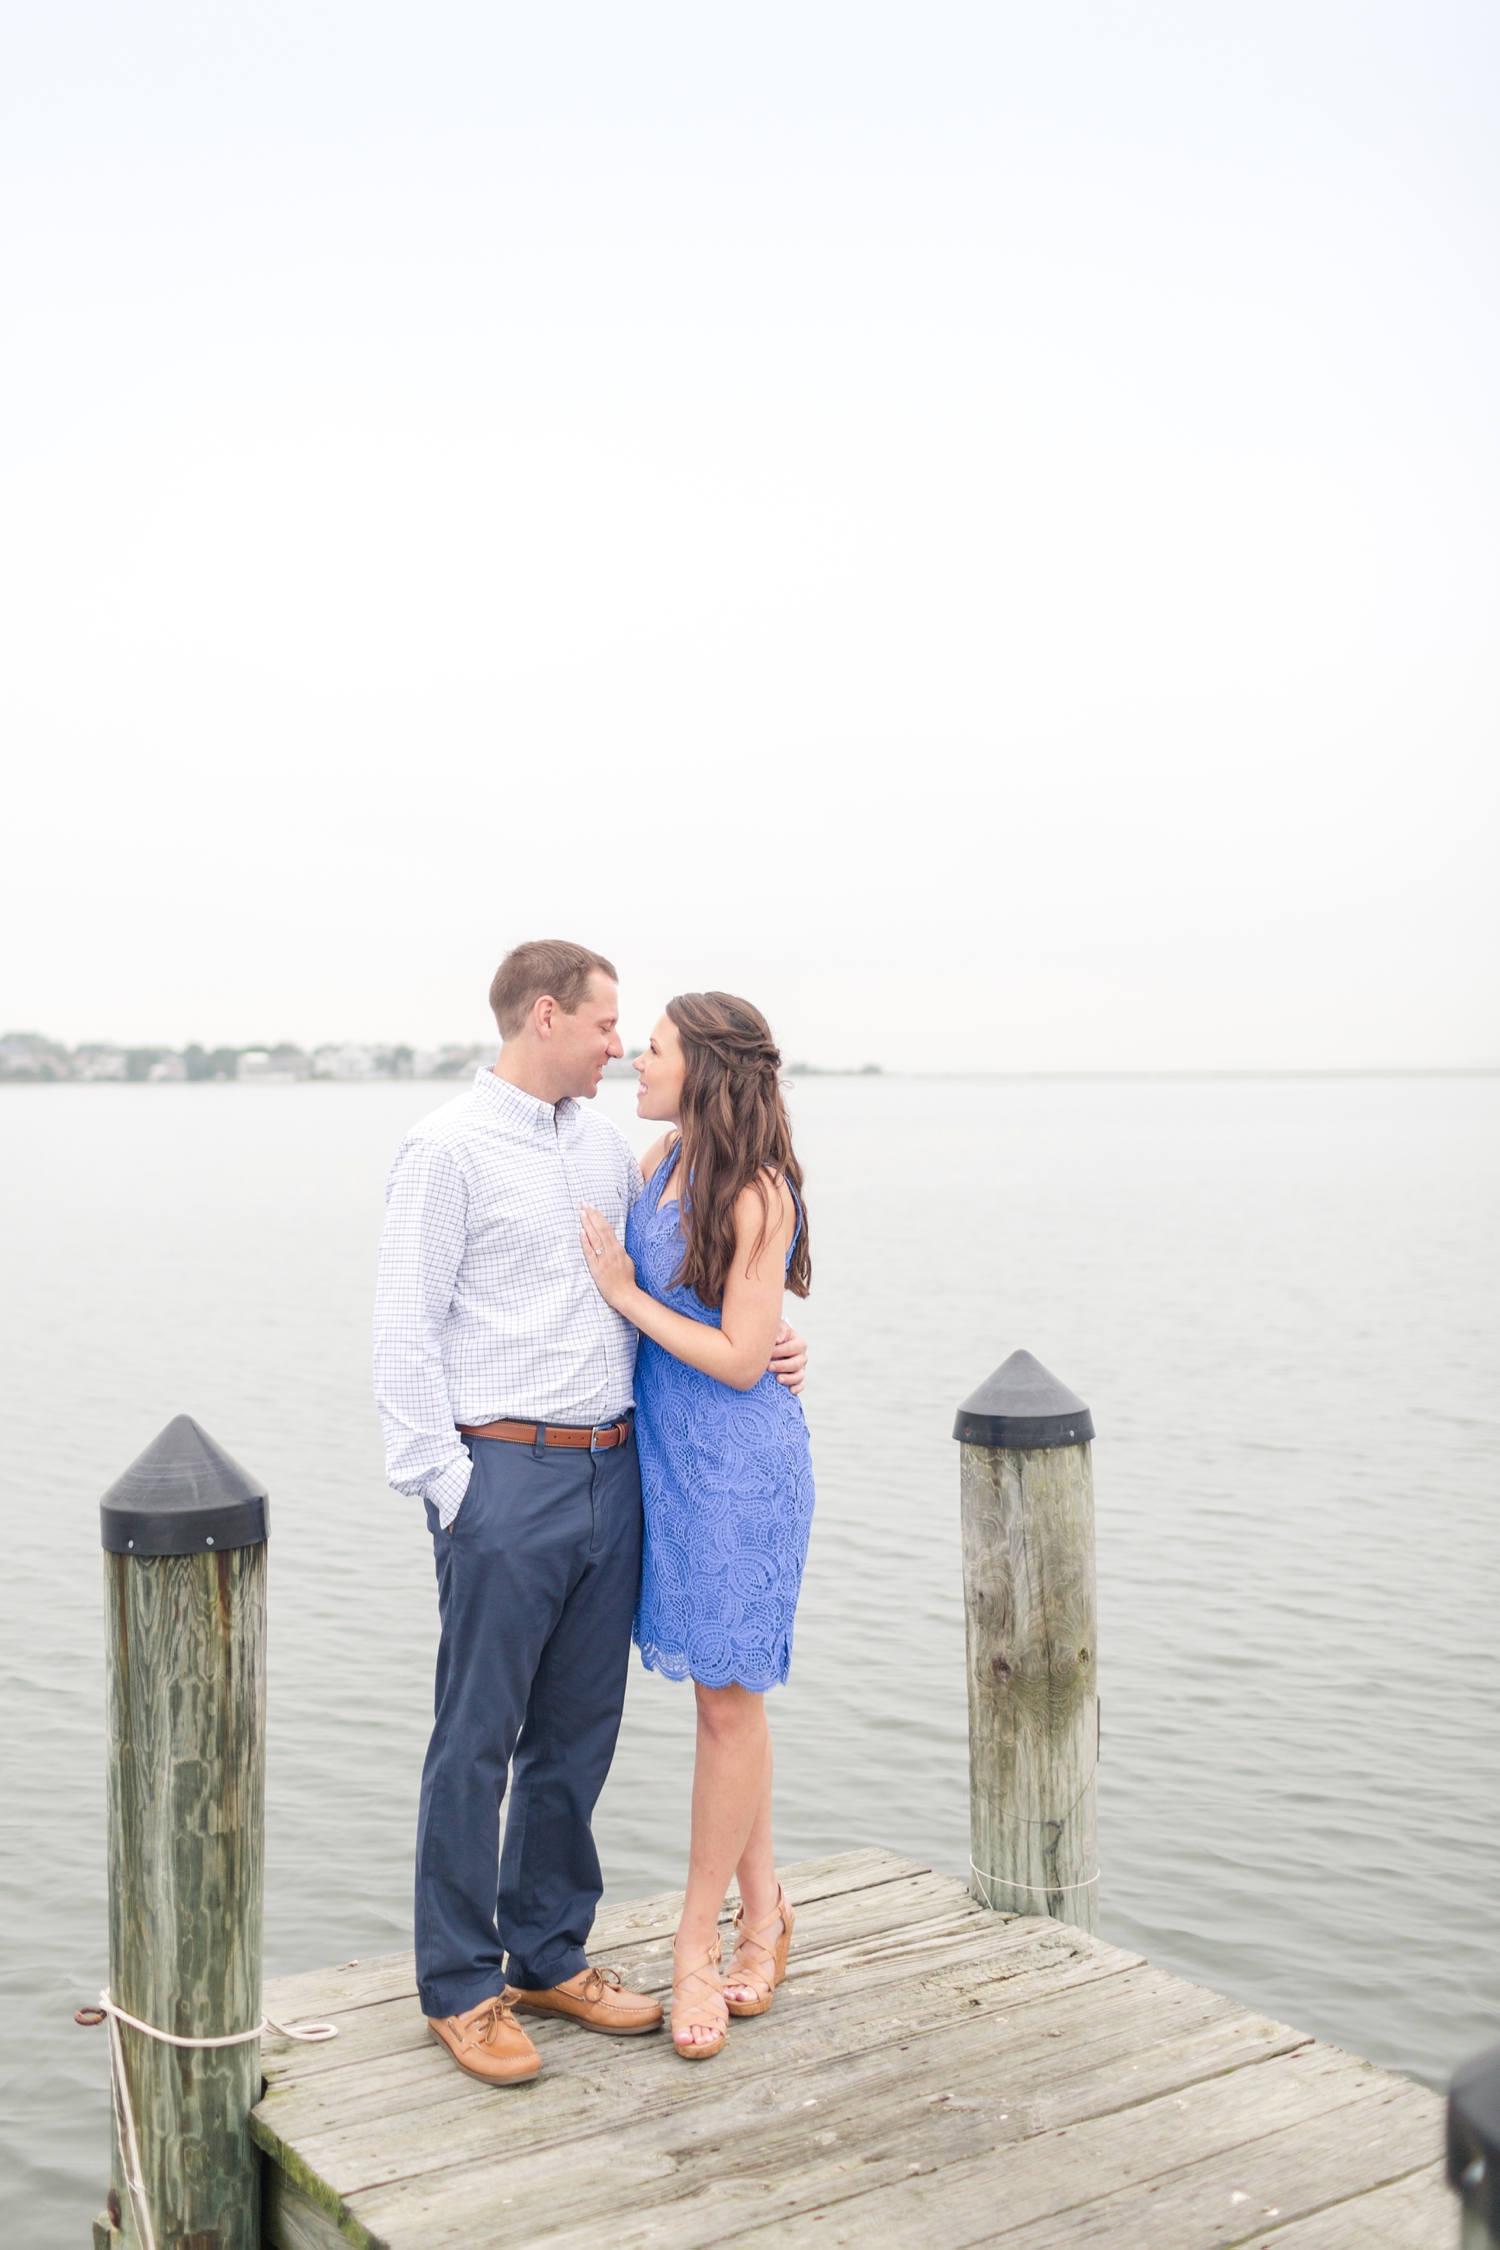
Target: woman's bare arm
(738, 1352)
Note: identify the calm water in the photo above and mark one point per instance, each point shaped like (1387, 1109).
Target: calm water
(1278, 1296)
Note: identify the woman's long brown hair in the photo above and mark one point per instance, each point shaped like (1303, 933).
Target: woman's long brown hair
(734, 1124)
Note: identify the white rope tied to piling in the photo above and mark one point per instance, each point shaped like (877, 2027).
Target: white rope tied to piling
(1037, 1890)
(119, 2084)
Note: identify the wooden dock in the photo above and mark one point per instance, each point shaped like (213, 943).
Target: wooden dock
(932, 2074)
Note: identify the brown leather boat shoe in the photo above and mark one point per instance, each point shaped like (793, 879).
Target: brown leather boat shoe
(488, 2043)
(596, 1999)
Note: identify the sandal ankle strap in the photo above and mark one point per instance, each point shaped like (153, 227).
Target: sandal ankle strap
(780, 1912)
(698, 1972)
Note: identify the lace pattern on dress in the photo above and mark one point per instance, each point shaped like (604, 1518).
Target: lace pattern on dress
(726, 1479)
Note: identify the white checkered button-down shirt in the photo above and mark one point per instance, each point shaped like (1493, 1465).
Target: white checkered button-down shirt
(485, 1310)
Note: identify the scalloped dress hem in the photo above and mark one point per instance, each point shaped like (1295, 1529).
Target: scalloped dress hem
(679, 1668)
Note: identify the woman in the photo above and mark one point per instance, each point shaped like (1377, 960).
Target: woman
(726, 1474)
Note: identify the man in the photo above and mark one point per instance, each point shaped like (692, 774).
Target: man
(504, 1387)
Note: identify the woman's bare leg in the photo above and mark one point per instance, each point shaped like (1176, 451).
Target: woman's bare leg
(757, 1876)
(731, 1795)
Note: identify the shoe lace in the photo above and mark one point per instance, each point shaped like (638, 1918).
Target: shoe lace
(600, 1981)
(482, 2030)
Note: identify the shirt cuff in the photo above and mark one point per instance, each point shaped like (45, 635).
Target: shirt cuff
(446, 1492)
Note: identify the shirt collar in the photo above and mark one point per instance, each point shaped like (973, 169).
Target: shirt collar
(523, 1111)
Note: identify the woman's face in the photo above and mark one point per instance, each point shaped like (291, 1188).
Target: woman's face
(661, 1070)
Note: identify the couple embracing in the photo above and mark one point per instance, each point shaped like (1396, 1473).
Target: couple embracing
(583, 1371)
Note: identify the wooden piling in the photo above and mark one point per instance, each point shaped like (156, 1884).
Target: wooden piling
(1030, 1628)
(184, 1532)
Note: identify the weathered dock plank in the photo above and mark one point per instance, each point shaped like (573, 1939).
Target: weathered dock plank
(931, 2069)
(1416, 2213)
(1203, 2168)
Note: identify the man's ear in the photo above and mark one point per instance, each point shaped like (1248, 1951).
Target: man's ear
(543, 1010)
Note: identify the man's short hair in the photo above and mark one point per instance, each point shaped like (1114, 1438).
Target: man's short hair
(544, 965)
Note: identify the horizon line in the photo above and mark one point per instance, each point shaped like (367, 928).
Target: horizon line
(457, 1055)
(1226, 1070)
(866, 1072)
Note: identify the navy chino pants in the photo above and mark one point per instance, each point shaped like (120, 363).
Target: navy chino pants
(537, 1583)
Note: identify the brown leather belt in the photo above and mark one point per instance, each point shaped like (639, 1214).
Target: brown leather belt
(598, 1440)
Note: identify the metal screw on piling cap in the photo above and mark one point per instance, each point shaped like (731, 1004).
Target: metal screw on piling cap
(183, 1496)
(1024, 1408)
(1474, 2139)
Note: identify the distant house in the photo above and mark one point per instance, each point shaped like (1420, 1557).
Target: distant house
(446, 1062)
(260, 1068)
(354, 1060)
(170, 1071)
(349, 1061)
(100, 1062)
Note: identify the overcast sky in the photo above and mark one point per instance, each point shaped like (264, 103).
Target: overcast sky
(975, 525)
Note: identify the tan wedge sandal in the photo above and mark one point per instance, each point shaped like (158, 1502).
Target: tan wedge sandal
(759, 1961)
(707, 2014)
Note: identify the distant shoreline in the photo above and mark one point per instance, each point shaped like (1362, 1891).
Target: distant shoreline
(29, 1059)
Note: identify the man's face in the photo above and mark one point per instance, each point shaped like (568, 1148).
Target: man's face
(581, 1044)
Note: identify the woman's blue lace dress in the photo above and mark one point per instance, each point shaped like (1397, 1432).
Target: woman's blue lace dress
(726, 1477)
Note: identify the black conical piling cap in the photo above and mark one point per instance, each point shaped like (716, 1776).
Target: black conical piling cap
(1023, 1408)
(182, 1496)
(1474, 2137)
